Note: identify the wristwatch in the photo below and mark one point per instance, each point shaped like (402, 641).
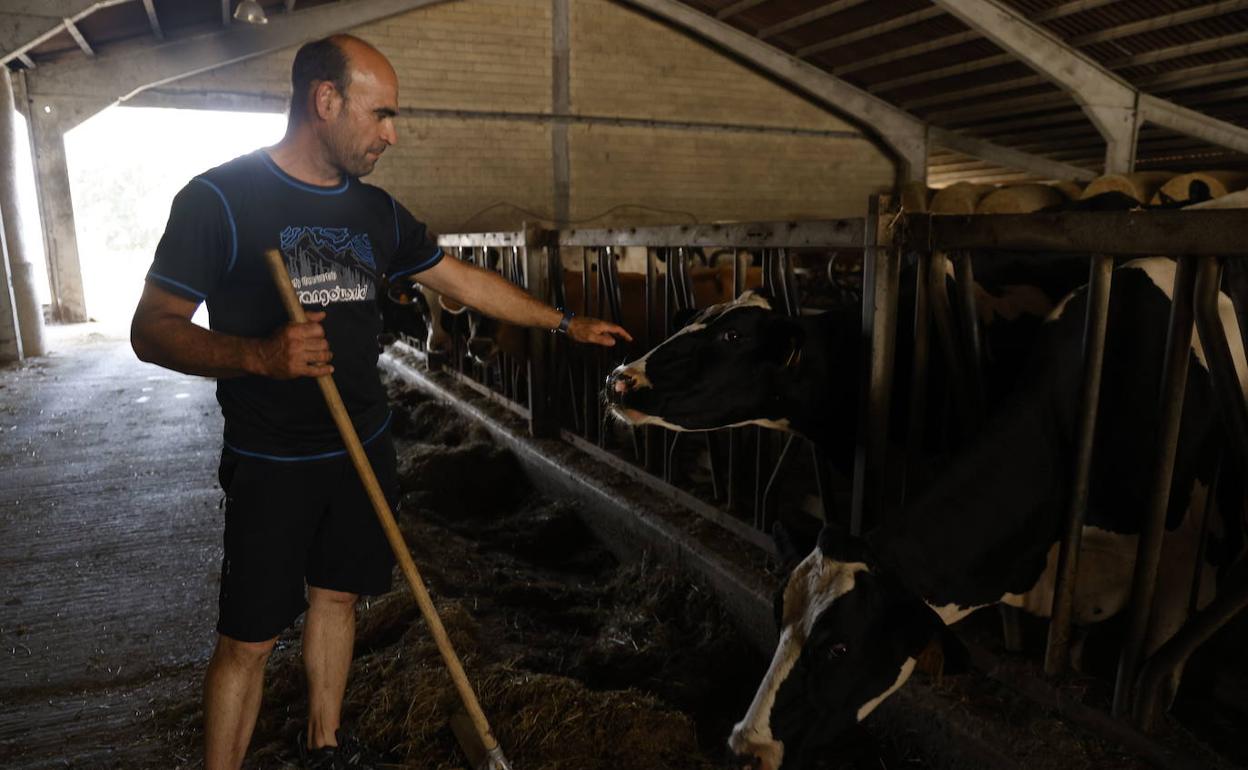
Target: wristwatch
(562, 328)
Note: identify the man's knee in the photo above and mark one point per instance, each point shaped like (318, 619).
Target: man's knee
(248, 654)
(324, 598)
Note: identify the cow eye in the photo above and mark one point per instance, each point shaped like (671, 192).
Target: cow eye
(838, 650)
(730, 335)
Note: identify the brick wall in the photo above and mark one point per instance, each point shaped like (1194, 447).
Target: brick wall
(475, 149)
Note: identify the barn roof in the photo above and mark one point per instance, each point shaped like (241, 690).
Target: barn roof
(913, 54)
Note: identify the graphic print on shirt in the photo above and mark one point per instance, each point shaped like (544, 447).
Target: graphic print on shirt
(329, 264)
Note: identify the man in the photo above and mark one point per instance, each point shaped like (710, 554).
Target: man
(296, 514)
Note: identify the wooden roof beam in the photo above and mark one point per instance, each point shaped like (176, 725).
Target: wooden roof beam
(1113, 105)
(958, 38)
(76, 34)
(905, 134)
(801, 20)
(117, 75)
(1152, 57)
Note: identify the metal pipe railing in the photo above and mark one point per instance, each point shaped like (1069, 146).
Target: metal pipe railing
(1096, 324)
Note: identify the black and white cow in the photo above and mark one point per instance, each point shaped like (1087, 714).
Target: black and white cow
(856, 612)
(404, 311)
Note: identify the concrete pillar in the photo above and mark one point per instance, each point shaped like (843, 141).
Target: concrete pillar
(561, 104)
(10, 339)
(26, 298)
(50, 118)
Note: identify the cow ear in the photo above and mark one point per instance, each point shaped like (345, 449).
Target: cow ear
(757, 293)
(793, 542)
(836, 543)
(785, 340)
(944, 654)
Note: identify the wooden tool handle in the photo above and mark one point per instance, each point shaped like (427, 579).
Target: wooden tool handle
(277, 266)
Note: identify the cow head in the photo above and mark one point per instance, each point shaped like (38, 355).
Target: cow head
(404, 311)
(449, 323)
(850, 635)
(732, 364)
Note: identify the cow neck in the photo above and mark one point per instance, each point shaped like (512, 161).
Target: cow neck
(820, 402)
(983, 528)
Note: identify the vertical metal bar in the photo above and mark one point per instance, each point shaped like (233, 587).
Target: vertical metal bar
(972, 348)
(735, 435)
(823, 483)
(1227, 390)
(1232, 598)
(653, 457)
(588, 383)
(1151, 689)
(879, 323)
(915, 430)
(1148, 553)
(1202, 541)
(1096, 323)
(543, 416)
(942, 319)
(1237, 289)
(772, 488)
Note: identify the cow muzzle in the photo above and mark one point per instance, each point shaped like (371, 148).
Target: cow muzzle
(752, 751)
(626, 379)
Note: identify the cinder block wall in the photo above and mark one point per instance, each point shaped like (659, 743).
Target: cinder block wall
(661, 128)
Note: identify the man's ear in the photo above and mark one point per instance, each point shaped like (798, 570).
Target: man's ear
(326, 100)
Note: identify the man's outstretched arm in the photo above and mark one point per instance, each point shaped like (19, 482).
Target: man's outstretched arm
(499, 298)
(161, 333)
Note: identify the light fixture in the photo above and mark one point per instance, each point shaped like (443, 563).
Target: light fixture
(250, 12)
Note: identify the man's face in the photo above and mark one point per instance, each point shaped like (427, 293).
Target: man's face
(361, 127)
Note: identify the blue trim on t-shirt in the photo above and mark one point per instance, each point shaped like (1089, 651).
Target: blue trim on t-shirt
(395, 208)
(198, 294)
(422, 266)
(305, 458)
(229, 215)
(295, 183)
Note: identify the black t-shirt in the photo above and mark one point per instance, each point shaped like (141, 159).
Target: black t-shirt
(337, 242)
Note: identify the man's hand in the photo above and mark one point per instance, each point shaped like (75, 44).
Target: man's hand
(597, 332)
(295, 350)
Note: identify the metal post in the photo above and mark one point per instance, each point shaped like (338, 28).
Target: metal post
(1057, 653)
(915, 431)
(653, 436)
(1148, 554)
(879, 323)
(543, 417)
(1226, 387)
(972, 347)
(1152, 694)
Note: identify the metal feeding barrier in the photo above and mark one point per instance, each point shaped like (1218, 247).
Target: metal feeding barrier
(671, 272)
(556, 386)
(1205, 244)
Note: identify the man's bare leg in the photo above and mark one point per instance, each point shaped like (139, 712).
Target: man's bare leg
(328, 641)
(232, 690)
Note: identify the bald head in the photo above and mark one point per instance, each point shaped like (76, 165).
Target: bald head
(338, 60)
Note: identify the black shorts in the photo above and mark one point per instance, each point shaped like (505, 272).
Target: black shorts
(288, 524)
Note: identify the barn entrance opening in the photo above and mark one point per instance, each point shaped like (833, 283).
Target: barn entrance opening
(125, 166)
